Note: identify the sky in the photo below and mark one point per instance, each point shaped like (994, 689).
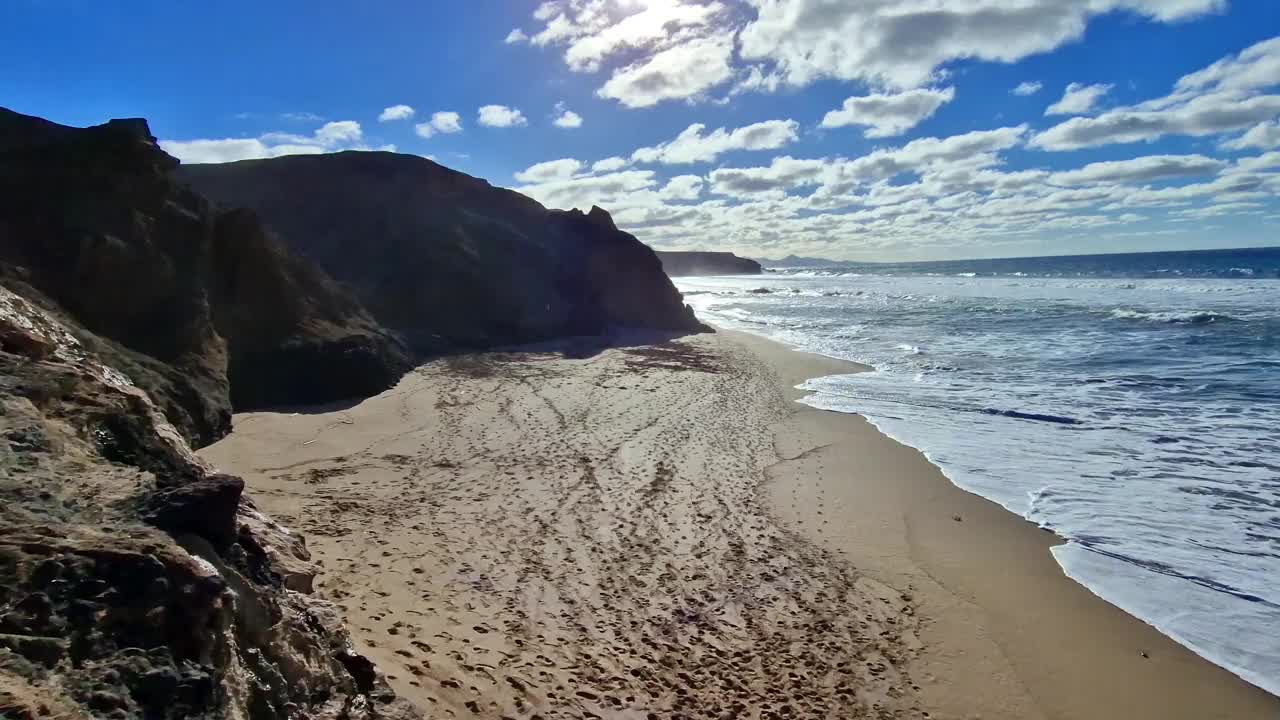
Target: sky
(848, 129)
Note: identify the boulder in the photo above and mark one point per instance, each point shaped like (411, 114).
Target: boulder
(205, 507)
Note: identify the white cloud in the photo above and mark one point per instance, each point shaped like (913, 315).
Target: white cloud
(682, 187)
(1141, 169)
(501, 116)
(515, 36)
(447, 122)
(934, 192)
(655, 27)
(692, 146)
(974, 149)
(784, 173)
(548, 9)
(681, 72)
(584, 191)
(1264, 135)
(757, 80)
(1213, 211)
(838, 176)
(550, 171)
(396, 112)
(334, 133)
(1223, 97)
(659, 50)
(609, 164)
(309, 117)
(566, 118)
(595, 31)
(1265, 161)
(887, 115)
(1078, 99)
(1254, 68)
(330, 137)
(444, 122)
(903, 44)
(1208, 115)
(231, 149)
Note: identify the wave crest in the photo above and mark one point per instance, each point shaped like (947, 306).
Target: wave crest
(1190, 317)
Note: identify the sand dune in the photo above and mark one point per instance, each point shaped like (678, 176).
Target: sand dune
(647, 532)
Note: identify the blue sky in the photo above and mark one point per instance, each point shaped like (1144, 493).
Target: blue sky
(869, 129)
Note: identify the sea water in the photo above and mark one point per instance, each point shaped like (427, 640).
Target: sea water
(1129, 403)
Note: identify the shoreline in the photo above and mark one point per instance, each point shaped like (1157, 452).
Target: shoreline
(995, 571)
(496, 509)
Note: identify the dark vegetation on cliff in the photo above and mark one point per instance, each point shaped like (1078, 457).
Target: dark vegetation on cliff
(446, 259)
(678, 264)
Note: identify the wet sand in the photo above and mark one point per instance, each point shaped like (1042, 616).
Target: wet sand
(660, 531)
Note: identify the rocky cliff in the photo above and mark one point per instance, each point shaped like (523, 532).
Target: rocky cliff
(136, 582)
(446, 259)
(678, 264)
(196, 305)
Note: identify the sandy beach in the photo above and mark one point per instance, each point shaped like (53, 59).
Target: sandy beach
(660, 531)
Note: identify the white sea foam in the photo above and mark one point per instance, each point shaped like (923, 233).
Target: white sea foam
(1138, 419)
(1185, 316)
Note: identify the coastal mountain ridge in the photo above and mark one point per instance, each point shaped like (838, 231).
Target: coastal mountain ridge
(697, 262)
(795, 261)
(447, 260)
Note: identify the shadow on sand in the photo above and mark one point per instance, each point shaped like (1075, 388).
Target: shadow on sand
(650, 348)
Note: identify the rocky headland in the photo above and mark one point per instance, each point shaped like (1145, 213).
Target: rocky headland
(447, 260)
(677, 263)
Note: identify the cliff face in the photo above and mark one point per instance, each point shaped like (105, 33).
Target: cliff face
(196, 305)
(446, 259)
(677, 264)
(135, 582)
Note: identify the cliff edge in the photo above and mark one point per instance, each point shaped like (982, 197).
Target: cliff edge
(197, 305)
(448, 260)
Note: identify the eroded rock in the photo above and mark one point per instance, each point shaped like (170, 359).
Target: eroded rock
(135, 582)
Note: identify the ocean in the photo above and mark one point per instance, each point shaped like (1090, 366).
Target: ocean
(1129, 403)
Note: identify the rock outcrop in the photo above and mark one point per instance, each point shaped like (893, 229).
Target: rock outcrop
(135, 582)
(197, 305)
(446, 259)
(677, 264)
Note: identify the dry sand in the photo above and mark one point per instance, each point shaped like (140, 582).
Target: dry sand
(660, 531)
